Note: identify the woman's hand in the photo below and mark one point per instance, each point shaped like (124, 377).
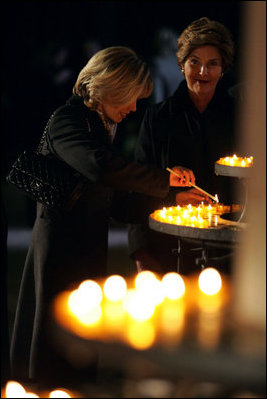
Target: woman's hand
(182, 177)
(193, 197)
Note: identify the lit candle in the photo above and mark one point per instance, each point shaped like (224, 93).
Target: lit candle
(14, 390)
(209, 304)
(140, 335)
(173, 285)
(172, 317)
(115, 288)
(236, 161)
(149, 286)
(138, 305)
(59, 393)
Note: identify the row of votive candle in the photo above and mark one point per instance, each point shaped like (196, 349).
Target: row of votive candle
(202, 216)
(236, 161)
(142, 311)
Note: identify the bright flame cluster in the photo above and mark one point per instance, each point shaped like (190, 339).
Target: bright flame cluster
(244, 162)
(202, 216)
(141, 311)
(139, 301)
(14, 389)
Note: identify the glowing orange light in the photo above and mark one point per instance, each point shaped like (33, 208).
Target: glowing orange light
(141, 335)
(201, 216)
(15, 390)
(115, 288)
(84, 302)
(243, 162)
(149, 286)
(59, 393)
(138, 305)
(173, 285)
(210, 281)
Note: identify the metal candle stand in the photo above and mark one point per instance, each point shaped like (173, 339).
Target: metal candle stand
(243, 173)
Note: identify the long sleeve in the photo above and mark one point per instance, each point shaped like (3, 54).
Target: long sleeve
(90, 152)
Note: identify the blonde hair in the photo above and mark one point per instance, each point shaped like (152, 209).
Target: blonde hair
(203, 32)
(116, 74)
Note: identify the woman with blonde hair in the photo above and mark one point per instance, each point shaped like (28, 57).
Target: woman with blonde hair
(69, 247)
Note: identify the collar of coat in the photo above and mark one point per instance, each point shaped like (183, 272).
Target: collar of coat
(181, 99)
(94, 121)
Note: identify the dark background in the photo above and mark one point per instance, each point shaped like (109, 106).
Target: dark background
(34, 31)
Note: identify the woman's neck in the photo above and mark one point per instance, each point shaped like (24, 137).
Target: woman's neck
(201, 102)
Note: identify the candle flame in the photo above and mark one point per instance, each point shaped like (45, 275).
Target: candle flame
(59, 393)
(115, 288)
(210, 281)
(202, 216)
(243, 162)
(173, 285)
(15, 390)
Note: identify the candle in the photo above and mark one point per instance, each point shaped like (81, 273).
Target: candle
(140, 335)
(243, 162)
(202, 216)
(115, 288)
(14, 389)
(209, 305)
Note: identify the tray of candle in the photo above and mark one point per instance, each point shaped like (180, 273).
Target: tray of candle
(161, 324)
(234, 166)
(204, 222)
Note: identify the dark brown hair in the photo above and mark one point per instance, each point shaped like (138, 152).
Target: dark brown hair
(203, 32)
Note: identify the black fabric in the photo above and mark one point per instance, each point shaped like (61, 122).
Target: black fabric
(174, 132)
(68, 247)
(5, 344)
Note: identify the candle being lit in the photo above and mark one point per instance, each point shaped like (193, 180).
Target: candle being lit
(201, 216)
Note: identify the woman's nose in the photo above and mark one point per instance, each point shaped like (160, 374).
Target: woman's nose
(203, 70)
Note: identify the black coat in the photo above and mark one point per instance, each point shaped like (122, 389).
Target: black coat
(68, 247)
(173, 132)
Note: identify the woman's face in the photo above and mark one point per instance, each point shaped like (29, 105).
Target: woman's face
(116, 113)
(203, 69)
